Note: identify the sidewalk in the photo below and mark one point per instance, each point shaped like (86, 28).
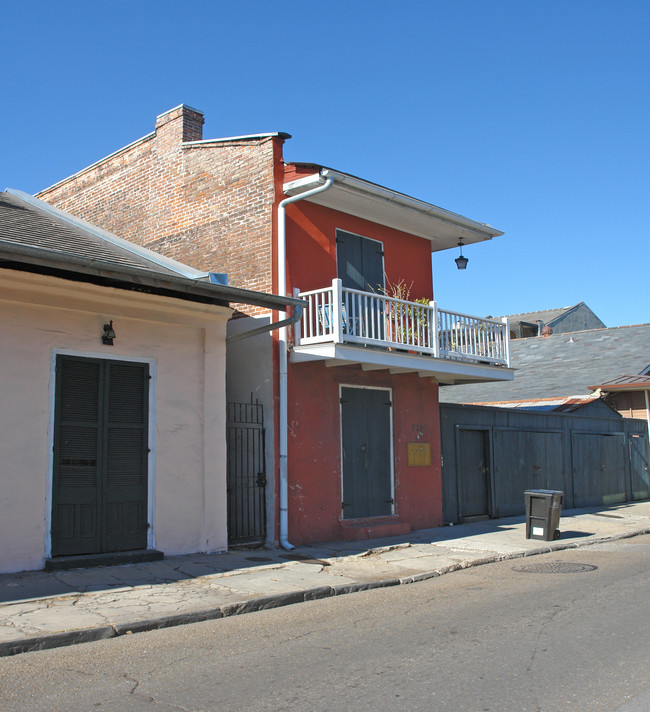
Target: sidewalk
(40, 610)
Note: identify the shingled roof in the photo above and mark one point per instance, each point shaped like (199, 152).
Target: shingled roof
(29, 222)
(35, 236)
(562, 365)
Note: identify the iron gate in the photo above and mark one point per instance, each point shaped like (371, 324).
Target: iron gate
(246, 474)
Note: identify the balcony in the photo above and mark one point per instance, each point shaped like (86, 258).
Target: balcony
(377, 331)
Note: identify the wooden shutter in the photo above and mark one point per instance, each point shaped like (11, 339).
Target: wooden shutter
(126, 450)
(77, 455)
(360, 262)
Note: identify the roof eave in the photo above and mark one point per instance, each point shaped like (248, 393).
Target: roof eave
(183, 286)
(379, 204)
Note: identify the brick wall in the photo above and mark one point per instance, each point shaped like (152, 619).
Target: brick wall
(209, 205)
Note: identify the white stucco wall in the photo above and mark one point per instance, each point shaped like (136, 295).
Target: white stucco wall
(184, 343)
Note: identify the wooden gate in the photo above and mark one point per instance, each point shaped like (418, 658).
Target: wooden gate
(246, 474)
(599, 472)
(474, 464)
(594, 460)
(525, 460)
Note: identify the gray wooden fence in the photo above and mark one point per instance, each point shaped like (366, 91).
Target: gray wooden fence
(491, 455)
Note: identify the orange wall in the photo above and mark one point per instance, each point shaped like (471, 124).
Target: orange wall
(311, 249)
(315, 452)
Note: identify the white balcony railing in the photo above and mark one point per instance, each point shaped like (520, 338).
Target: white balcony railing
(338, 315)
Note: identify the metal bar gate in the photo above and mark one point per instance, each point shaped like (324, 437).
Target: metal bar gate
(246, 474)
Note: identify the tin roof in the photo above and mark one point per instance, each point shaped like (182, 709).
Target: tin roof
(568, 404)
(625, 383)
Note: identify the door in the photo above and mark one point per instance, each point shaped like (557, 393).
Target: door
(246, 474)
(639, 467)
(473, 473)
(367, 452)
(360, 265)
(599, 468)
(99, 501)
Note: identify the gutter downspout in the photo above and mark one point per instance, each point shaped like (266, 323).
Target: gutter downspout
(283, 424)
(297, 314)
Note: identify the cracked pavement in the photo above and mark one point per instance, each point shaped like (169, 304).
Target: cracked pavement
(41, 610)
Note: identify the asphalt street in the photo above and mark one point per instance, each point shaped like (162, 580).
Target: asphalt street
(562, 631)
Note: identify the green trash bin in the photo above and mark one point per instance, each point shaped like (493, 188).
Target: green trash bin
(543, 509)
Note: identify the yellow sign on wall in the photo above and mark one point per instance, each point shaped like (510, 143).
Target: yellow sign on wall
(419, 454)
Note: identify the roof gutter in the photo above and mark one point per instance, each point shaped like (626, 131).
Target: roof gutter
(283, 424)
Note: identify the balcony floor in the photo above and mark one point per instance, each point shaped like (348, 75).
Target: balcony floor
(444, 370)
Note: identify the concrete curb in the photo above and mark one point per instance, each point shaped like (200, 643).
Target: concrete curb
(86, 635)
(56, 640)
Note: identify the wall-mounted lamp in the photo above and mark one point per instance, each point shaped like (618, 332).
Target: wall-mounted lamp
(109, 334)
(461, 262)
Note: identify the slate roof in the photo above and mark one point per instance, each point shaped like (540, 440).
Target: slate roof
(562, 365)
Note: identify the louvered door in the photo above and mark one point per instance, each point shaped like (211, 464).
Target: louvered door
(366, 440)
(100, 456)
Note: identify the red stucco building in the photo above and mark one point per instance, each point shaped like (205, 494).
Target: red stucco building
(350, 392)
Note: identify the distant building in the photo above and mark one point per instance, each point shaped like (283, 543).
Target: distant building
(629, 395)
(562, 321)
(591, 404)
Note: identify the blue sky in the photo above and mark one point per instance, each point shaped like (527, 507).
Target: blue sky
(530, 116)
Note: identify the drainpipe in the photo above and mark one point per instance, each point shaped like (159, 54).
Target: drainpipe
(282, 291)
(297, 313)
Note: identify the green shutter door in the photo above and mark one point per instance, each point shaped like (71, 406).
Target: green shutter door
(360, 265)
(366, 439)
(100, 456)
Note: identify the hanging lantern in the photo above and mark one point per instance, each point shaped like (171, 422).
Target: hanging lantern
(461, 262)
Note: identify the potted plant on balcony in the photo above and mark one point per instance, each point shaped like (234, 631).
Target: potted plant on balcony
(406, 324)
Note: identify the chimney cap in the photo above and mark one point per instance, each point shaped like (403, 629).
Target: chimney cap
(184, 108)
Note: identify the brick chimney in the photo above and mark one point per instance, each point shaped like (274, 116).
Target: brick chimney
(184, 122)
